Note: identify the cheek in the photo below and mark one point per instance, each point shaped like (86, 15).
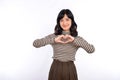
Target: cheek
(61, 24)
(70, 24)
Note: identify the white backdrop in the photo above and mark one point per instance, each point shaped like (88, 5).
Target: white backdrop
(23, 21)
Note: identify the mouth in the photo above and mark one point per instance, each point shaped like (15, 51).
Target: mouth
(65, 26)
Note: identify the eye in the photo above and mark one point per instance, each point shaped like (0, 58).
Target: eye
(61, 20)
(67, 19)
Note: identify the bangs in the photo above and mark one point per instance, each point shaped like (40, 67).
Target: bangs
(73, 29)
(62, 13)
(60, 16)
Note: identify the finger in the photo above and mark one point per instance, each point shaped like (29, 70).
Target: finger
(61, 42)
(61, 36)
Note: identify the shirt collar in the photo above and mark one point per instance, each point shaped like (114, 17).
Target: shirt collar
(66, 32)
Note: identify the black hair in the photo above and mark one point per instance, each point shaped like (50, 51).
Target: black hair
(73, 28)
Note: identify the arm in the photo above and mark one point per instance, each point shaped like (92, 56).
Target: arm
(80, 42)
(44, 41)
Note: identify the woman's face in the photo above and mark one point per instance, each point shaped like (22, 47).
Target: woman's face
(65, 23)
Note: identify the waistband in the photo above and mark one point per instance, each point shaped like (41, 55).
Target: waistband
(56, 60)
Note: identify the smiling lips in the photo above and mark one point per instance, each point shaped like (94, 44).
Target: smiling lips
(65, 26)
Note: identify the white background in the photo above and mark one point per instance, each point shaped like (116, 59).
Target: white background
(23, 21)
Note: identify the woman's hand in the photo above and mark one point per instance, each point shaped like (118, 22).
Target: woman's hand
(59, 39)
(69, 38)
(64, 39)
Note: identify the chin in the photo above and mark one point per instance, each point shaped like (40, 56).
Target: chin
(65, 29)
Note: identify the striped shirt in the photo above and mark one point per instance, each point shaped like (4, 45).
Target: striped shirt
(64, 52)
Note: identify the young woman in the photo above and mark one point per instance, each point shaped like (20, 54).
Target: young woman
(65, 42)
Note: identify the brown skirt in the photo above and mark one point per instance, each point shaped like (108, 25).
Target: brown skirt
(62, 71)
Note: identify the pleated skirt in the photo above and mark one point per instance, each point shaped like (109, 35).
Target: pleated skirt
(62, 71)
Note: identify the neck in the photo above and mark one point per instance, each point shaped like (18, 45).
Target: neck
(65, 32)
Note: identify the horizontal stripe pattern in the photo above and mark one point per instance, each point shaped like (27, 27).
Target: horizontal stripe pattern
(44, 41)
(64, 52)
(80, 42)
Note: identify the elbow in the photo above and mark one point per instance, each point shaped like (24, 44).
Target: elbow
(36, 44)
(92, 50)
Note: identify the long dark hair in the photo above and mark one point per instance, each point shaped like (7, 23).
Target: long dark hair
(73, 28)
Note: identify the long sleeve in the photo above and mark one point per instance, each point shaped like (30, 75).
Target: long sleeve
(44, 41)
(80, 42)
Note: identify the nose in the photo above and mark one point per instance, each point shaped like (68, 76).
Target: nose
(64, 22)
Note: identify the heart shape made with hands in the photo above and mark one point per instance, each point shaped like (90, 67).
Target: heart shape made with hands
(65, 38)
